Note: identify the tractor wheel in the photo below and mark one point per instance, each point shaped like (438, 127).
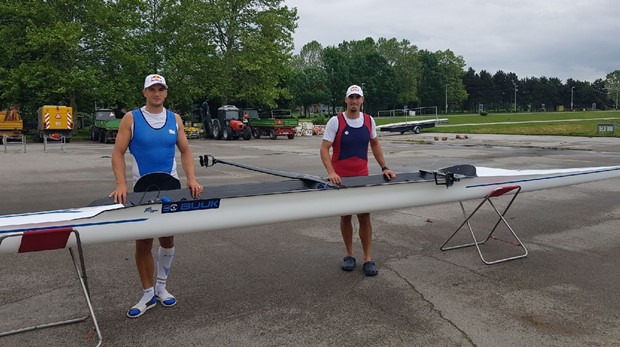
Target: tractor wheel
(207, 127)
(247, 133)
(93, 134)
(256, 133)
(272, 134)
(217, 129)
(228, 133)
(290, 136)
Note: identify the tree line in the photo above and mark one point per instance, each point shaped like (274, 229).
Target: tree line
(95, 53)
(396, 75)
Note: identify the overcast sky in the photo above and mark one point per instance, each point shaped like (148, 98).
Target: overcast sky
(577, 39)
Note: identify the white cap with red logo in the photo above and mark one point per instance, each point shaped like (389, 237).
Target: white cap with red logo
(155, 79)
(355, 89)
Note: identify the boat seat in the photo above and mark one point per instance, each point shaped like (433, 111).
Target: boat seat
(488, 199)
(51, 239)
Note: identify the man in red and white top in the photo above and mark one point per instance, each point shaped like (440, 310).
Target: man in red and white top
(349, 134)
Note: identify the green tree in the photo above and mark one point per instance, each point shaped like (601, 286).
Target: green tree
(404, 60)
(336, 64)
(612, 85)
(188, 54)
(372, 71)
(308, 82)
(471, 82)
(253, 45)
(432, 82)
(46, 55)
(310, 56)
(487, 91)
(120, 53)
(309, 86)
(441, 79)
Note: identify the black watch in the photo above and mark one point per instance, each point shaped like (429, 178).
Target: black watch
(384, 168)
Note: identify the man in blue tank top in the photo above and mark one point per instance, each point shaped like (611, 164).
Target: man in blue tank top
(151, 133)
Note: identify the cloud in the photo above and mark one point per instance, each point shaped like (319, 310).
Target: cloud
(554, 38)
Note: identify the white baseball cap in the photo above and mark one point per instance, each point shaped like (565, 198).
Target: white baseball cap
(355, 89)
(155, 79)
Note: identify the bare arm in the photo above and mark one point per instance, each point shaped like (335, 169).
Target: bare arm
(332, 176)
(118, 158)
(187, 159)
(377, 152)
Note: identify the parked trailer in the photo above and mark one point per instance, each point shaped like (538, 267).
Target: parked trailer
(55, 122)
(413, 126)
(276, 123)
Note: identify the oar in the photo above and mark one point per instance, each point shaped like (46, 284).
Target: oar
(209, 160)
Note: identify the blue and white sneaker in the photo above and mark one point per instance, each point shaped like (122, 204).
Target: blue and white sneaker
(139, 309)
(165, 298)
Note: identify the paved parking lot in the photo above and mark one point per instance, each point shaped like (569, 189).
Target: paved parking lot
(281, 284)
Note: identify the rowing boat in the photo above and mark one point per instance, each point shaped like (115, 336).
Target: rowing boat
(173, 212)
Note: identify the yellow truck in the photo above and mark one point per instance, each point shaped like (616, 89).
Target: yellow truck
(54, 122)
(11, 125)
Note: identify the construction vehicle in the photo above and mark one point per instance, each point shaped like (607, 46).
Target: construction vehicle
(201, 113)
(105, 126)
(192, 130)
(55, 123)
(11, 124)
(273, 124)
(229, 124)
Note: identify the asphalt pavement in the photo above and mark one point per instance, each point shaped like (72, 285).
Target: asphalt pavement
(281, 284)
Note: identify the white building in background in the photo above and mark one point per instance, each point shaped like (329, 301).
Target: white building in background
(322, 108)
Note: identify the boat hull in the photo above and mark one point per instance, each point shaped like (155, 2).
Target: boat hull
(219, 210)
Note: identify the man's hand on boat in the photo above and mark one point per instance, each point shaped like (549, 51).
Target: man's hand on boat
(334, 178)
(195, 188)
(389, 174)
(120, 193)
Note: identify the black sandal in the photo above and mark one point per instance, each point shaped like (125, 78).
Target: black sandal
(348, 263)
(370, 269)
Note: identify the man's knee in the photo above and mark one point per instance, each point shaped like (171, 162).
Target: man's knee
(363, 217)
(166, 241)
(144, 246)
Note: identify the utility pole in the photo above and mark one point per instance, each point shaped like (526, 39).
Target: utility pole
(515, 84)
(364, 91)
(571, 97)
(447, 99)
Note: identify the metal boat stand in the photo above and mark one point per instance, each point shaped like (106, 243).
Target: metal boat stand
(495, 193)
(50, 239)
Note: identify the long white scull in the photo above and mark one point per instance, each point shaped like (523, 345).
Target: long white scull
(165, 213)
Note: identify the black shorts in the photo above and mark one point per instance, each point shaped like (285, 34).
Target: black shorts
(156, 181)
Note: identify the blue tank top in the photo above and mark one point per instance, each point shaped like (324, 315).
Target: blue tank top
(153, 149)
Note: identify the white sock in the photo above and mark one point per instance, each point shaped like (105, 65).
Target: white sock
(147, 296)
(164, 261)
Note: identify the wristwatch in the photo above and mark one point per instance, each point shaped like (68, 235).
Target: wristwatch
(384, 168)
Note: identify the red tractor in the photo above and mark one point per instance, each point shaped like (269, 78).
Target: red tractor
(229, 125)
